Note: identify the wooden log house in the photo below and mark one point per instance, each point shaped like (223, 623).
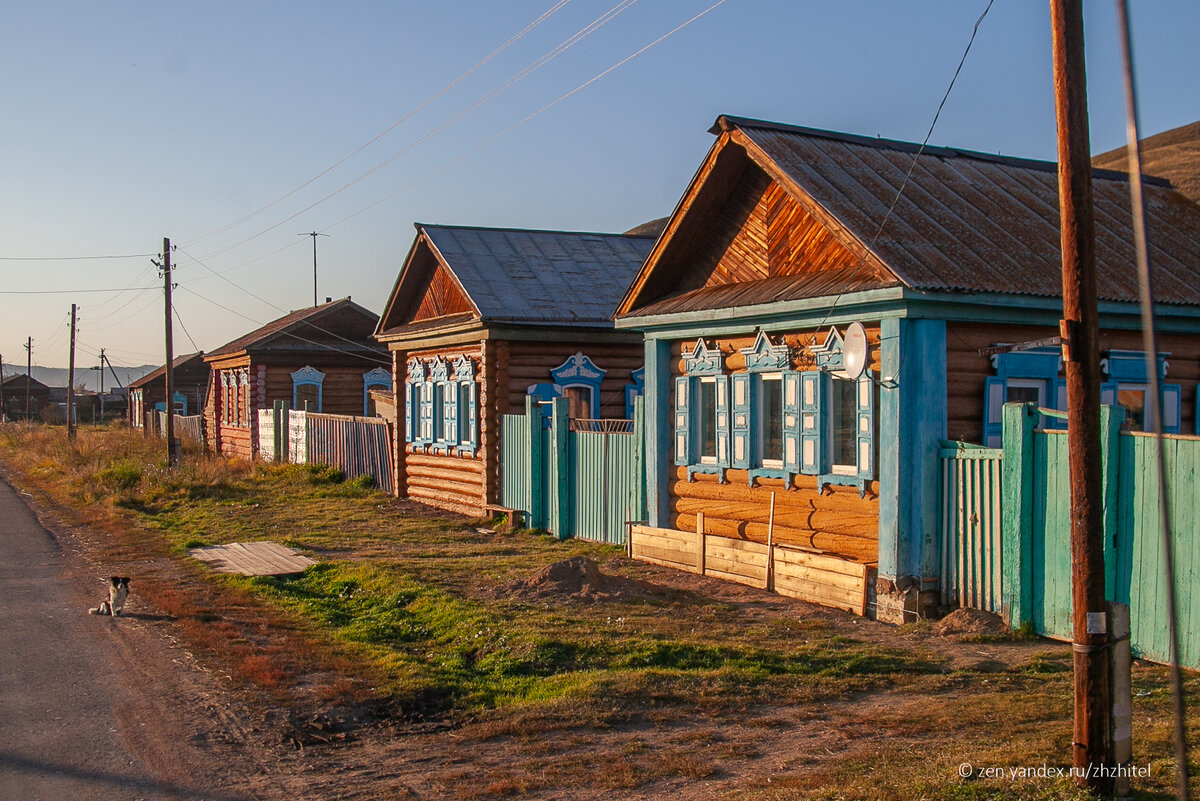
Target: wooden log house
(322, 359)
(189, 376)
(482, 317)
(20, 389)
(814, 333)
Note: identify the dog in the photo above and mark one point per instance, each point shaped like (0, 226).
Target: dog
(114, 605)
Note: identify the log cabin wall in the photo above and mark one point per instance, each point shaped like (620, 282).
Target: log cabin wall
(839, 522)
(966, 369)
(450, 481)
(530, 362)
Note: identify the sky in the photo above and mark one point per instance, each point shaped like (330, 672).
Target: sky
(233, 128)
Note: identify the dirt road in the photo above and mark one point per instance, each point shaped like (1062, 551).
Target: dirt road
(85, 711)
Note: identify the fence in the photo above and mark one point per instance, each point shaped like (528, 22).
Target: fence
(578, 478)
(186, 426)
(1034, 514)
(356, 445)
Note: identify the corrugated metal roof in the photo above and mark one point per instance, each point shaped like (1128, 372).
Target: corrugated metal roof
(977, 222)
(559, 277)
(303, 325)
(768, 290)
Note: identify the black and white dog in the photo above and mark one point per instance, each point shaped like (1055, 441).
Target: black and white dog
(118, 591)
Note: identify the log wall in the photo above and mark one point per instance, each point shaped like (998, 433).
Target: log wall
(531, 362)
(839, 521)
(966, 369)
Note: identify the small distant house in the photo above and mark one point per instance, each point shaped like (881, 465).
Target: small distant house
(320, 359)
(189, 377)
(481, 318)
(17, 390)
(813, 334)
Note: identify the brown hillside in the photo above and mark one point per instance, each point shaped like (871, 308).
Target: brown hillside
(1173, 154)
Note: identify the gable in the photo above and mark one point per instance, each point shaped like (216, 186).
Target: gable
(442, 296)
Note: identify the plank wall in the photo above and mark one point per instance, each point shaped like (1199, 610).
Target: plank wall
(966, 369)
(531, 362)
(838, 522)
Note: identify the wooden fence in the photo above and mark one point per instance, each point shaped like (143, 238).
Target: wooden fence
(356, 445)
(1034, 512)
(573, 480)
(784, 569)
(186, 426)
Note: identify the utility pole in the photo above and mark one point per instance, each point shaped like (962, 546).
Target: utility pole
(28, 372)
(172, 445)
(101, 369)
(1080, 333)
(71, 381)
(314, 235)
(3, 410)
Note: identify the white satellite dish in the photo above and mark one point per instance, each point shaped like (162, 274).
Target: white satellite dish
(854, 350)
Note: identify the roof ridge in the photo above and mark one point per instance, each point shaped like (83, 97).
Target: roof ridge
(420, 225)
(726, 122)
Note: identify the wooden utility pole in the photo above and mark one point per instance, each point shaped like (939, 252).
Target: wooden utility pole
(1080, 331)
(172, 445)
(28, 372)
(3, 409)
(71, 381)
(101, 369)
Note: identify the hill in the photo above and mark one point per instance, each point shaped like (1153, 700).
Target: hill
(1173, 154)
(88, 376)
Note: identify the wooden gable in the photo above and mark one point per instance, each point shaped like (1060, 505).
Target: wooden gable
(442, 296)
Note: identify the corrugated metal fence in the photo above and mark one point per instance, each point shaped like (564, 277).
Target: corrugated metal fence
(970, 523)
(357, 445)
(186, 426)
(585, 483)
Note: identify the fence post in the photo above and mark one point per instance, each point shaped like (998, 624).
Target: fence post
(639, 459)
(536, 502)
(1112, 417)
(560, 468)
(1016, 516)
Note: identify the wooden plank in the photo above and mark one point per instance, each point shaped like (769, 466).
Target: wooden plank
(252, 559)
(752, 581)
(828, 578)
(660, 555)
(850, 601)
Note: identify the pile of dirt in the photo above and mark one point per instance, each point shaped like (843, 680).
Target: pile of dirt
(970, 622)
(579, 579)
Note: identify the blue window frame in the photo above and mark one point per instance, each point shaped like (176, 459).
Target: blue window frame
(1028, 376)
(374, 379)
(307, 387)
(1128, 384)
(440, 406)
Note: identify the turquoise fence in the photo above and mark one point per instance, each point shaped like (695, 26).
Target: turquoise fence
(579, 478)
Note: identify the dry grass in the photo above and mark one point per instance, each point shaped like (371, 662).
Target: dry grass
(755, 696)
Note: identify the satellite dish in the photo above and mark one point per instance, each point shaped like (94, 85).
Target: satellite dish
(854, 350)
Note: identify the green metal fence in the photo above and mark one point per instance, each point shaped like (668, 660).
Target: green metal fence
(970, 524)
(574, 483)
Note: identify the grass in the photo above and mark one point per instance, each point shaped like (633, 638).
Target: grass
(408, 613)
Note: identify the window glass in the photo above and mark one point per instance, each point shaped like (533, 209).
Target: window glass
(706, 415)
(439, 410)
(580, 399)
(308, 394)
(464, 413)
(1134, 401)
(843, 401)
(771, 421)
(1020, 394)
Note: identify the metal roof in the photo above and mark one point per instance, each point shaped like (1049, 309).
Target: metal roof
(299, 329)
(976, 222)
(559, 277)
(176, 363)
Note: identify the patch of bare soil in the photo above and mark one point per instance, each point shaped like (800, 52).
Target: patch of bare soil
(970, 623)
(580, 579)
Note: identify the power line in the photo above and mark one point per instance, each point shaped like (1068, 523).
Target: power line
(513, 80)
(74, 258)
(178, 319)
(478, 65)
(66, 291)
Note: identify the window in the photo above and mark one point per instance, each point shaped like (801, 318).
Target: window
(844, 445)
(706, 421)
(440, 406)
(580, 402)
(1127, 387)
(770, 420)
(307, 386)
(578, 379)
(374, 379)
(1027, 376)
(702, 413)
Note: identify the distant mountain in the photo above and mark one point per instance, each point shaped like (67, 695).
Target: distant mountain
(89, 377)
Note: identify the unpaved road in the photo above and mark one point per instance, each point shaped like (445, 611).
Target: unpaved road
(85, 711)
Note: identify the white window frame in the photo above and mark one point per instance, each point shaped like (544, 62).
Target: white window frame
(698, 417)
(759, 430)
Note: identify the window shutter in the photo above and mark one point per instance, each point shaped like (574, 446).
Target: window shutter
(791, 422)
(1172, 394)
(426, 412)
(864, 408)
(814, 393)
(741, 420)
(408, 411)
(993, 411)
(473, 419)
(1108, 393)
(450, 414)
(722, 421)
(683, 422)
(1058, 401)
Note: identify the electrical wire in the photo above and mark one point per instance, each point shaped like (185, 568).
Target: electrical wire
(526, 119)
(178, 319)
(513, 80)
(478, 65)
(64, 291)
(74, 258)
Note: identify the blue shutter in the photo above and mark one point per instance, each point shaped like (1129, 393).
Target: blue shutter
(791, 422)
(1058, 401)
(450, 414)
(1172, 395)
(473, 420)
(722, 411)
(814, 394)
(864, 420)
(742, 442)
(683, 422)
(994, 391)
(1108, 393)
(426, 412)
(408, 412)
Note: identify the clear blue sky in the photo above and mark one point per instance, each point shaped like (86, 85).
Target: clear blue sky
(128, 122)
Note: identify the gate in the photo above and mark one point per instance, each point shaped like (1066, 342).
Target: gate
(970, 524)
